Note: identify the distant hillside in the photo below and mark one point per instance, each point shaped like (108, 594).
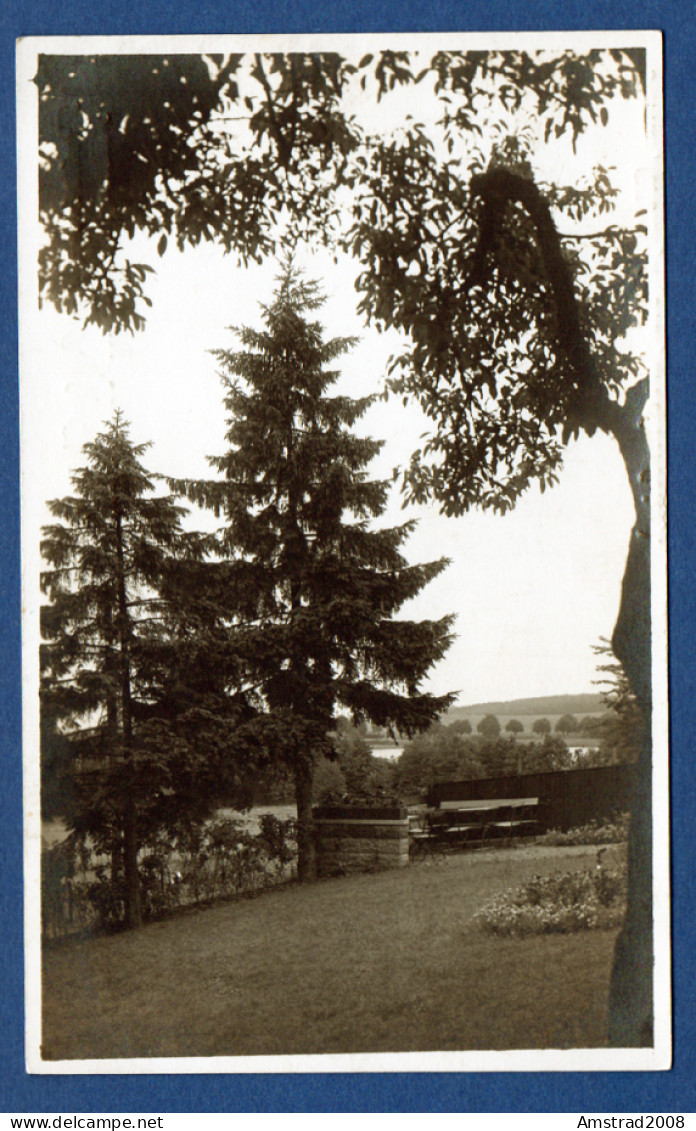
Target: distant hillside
(545, 705)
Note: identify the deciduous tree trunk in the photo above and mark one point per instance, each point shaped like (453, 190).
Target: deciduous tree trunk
(590, 407)
(631, 994)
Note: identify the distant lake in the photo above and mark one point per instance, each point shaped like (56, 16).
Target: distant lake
(391, 753)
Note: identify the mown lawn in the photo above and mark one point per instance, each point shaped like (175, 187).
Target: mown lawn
(373, 963)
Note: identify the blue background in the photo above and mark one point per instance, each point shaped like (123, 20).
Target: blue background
(673, 1091)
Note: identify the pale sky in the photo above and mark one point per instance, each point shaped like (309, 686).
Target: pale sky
(532, 590)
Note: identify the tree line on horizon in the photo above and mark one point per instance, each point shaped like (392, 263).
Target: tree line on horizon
(453, 752)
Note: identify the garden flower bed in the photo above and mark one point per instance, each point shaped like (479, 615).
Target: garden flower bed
(559, 903)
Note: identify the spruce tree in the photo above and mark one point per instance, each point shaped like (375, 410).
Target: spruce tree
(314, 587)
(112, 690)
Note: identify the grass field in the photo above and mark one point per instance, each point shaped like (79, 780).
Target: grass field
(368, 963)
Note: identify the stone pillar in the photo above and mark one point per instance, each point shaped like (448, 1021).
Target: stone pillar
(366, 839)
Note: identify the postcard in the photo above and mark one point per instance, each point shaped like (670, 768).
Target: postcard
(343, 451)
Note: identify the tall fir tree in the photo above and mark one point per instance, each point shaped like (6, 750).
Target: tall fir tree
(314, 588)
(120, 717)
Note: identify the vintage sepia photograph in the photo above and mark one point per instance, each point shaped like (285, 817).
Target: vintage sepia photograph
(344, 553)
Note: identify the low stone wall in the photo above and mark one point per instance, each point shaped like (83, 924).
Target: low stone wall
(360, 840)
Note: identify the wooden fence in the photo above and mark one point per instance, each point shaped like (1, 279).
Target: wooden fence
(567, 798)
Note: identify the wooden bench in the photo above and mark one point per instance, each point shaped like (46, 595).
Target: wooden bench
(458, 823)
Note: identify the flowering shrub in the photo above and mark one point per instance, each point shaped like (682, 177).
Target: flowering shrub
(558, 904)
(203, 862)
(223, 858)
(609, 832)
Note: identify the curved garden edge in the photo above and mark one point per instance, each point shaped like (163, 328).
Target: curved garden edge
(389, 961)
